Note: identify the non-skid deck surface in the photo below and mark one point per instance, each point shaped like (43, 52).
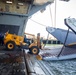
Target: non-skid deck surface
(68, 51)
(62, 53)
(56, 51)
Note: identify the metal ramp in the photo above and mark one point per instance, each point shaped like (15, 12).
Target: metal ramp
(60, 34)
(68, 38)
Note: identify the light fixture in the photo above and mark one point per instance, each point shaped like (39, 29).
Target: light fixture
(9, 1)
(20, 4)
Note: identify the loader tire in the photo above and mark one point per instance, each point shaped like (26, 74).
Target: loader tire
(34, 50)
(10, 45)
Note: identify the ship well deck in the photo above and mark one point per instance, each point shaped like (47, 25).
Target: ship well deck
(22, 63)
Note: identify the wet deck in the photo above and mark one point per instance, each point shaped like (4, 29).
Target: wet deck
(42, 67)
(28, 64)
(36, 67)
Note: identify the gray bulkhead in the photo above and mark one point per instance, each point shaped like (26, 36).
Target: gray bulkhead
(14, 16)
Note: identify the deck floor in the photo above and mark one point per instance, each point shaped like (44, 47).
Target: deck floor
(43, 67)
(29, 65)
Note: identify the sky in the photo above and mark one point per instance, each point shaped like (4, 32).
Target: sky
(63, 10)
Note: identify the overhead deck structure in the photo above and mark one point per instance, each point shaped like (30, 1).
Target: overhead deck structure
(14, 14)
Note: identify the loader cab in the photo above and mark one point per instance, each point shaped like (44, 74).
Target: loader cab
(26, 40)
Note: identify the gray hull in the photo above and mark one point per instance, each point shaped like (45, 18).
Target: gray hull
(60, 34)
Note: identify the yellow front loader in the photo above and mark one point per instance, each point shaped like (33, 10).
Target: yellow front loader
(11, 41)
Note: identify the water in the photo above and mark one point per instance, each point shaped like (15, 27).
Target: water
(65, 67)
